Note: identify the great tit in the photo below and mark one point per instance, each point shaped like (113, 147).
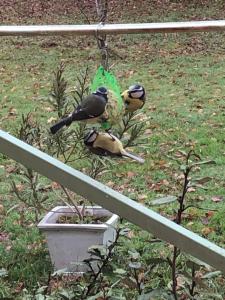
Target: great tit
(104, 144)
(134, 97)
(91, 109)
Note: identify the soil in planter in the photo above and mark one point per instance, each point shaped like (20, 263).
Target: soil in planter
(87, 219)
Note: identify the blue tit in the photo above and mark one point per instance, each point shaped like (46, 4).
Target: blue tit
(106, 144)
(91, 109)
(134, 97)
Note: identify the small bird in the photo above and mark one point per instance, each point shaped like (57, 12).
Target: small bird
(91, 109)
(104, 143)
(134, 97)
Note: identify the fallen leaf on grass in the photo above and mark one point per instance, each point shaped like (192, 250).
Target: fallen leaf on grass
(130, 234)
(119, 175)
(209, 214)
(191, 189)
(20, 187)
(110, 183)
(217, 199)
(165, 182)
(203, 180)
(19, 287)
(207, 230)
(13, 89)
(127, 281)
(163, 200)
(55, 185)
(189, 224)
(11, 169)
(1, 209)
(205, 220)
(148, 131)
(131, 174)
(12, 111)
(50, 120)
(48, 109)
(180, 281)
(4, 236)
(179, 176)
(200, 198)
(142, 197)
(141, 277)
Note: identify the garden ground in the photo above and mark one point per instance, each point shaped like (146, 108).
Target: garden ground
(184, 79)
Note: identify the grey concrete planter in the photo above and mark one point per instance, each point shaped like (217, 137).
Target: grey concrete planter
(68, 243)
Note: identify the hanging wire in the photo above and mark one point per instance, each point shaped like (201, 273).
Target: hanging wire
(102, 9)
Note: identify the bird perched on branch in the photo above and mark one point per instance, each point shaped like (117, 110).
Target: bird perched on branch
(91, 109)
(134, 97)
(106, 144)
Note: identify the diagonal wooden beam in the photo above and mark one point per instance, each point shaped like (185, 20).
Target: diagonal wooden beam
(95, 191)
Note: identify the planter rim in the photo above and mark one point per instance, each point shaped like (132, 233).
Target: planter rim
(43, 225)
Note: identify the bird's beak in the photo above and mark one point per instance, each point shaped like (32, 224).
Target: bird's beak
(124, 94)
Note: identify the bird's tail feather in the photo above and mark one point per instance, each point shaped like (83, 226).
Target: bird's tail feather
(65, 121)
(133, 156)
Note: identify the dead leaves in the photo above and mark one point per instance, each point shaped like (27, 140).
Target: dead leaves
(55, 185)
(163, 200)
(48, 109)
(110, 184)
(142, 197)
(11, 169)
(131, 174)
(4, 236)
(203, 180)
(125, 74)
(2, 209)
(19, 287)
(217, 199)
(207, 230)
(51, 120)
(20, 187)
(160, 185)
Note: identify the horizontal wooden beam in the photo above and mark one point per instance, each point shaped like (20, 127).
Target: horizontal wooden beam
(32, 30)
(115, 202)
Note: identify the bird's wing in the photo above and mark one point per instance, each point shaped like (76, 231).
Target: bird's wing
(94, 105)
(109, 143)
(81, 114)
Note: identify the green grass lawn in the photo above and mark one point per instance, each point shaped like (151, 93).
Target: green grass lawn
(183, 75)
